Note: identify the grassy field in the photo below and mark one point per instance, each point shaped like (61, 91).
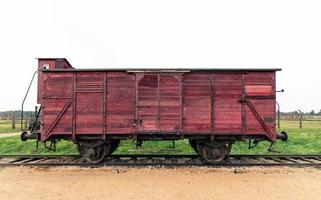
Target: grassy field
(302, 141)
(6, 126)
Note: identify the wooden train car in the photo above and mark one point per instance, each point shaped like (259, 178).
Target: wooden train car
(96, 108)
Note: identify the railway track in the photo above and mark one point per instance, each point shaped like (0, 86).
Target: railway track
(160, 160)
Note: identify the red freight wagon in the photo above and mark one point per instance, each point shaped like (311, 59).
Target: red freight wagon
(96, 108)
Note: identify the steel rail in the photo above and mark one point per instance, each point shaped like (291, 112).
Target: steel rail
(162, 160)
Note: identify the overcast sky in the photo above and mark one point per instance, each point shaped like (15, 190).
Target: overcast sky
(218, 34)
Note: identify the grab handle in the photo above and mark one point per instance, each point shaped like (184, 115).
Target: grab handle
(24, 99)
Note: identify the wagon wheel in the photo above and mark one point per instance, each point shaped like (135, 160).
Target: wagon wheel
(95, 154)
(213, 154)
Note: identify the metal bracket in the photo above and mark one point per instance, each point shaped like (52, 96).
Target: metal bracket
(255, 143)
(52, 146)
(36, 119)
(272, 150)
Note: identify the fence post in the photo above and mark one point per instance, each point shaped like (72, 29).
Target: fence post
(300, 118)
(13, 125)
(26, 122)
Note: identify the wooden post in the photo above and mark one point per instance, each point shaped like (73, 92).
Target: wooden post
(26, 122)
(300, 118)
(13, 126)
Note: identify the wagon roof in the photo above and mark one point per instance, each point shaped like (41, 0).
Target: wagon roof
(135, 70)
(171, 69)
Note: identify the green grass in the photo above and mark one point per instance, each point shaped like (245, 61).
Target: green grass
(301, 141)
(155, 147)
(13, 145)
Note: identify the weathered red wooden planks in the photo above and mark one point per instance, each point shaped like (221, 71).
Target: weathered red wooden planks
(118, 102)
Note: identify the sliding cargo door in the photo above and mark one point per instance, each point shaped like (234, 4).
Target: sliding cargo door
(157, 102)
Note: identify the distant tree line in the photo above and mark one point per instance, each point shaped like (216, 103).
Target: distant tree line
(9, 115)
(311, 113)
(296, 114)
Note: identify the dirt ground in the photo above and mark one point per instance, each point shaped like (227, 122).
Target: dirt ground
(8, 134)
(145, 183)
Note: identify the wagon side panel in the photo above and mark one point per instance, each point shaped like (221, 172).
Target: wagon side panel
(120, 111)
(197, 103)
(227, 117)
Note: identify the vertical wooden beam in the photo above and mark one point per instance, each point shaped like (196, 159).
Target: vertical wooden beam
(104, 104)
(158, 102)
(243, 103)
(134, 104)
(212, 88)
(43, 85)
(74, 99)
(137, 79)
(181, 93)
(274, 104)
